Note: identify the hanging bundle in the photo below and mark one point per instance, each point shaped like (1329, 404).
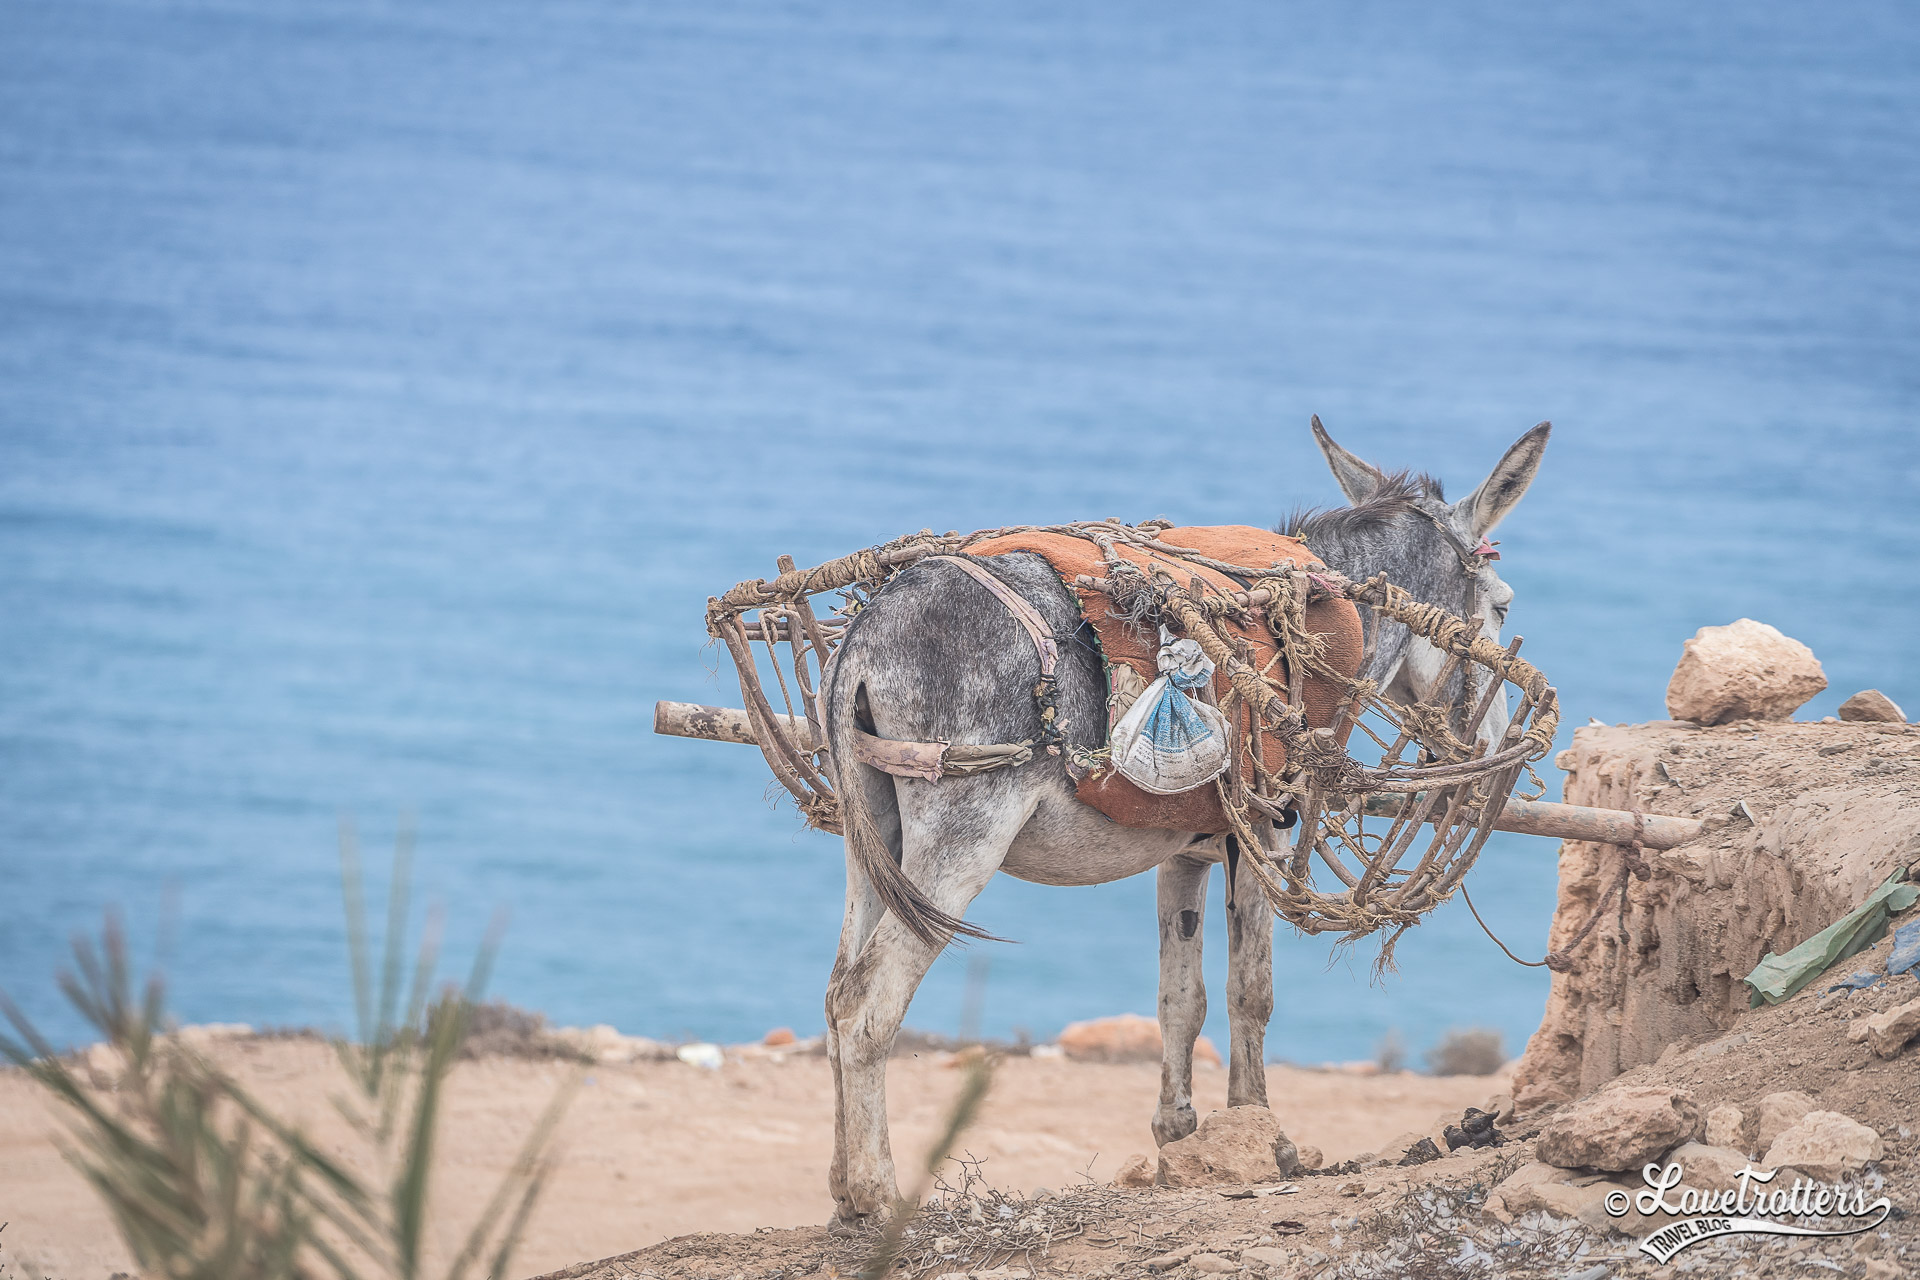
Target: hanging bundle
(1169, 741)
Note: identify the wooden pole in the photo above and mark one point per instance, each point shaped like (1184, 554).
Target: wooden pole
(1571, 822)
(716, 724)
(1527, 817)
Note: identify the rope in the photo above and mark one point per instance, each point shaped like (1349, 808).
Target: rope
(1632, 862)
(1321, 783)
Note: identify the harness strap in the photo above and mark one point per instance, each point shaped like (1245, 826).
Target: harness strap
(1023, 613)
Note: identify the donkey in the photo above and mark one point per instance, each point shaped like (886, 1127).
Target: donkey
(935, 656)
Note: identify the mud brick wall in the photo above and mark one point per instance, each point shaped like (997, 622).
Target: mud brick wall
(1836, 808)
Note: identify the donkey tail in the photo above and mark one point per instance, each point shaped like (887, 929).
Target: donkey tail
(868, 848)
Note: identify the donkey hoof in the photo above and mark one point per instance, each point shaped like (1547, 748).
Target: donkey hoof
(1170, 1124)
(860, 1213)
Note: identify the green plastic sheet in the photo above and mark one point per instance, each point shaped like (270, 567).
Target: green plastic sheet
(1777, 978)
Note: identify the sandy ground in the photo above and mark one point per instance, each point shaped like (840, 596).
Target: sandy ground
(1425, 1222)
(654, 1150)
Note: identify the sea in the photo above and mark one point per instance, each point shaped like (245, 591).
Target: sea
(384, 388)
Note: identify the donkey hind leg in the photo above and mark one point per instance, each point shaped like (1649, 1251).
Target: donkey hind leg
(1183, 990)
(864, 911)
(950, 853)
(1249, 991)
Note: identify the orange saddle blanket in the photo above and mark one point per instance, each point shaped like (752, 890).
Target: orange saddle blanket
(1123, 646)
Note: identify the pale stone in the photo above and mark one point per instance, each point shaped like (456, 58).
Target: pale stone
(1136, 1172)
(1872, 705)
(1266, 1256)
(605, 1045)
(1311, 1157)
(1168, 1261)
(1709, 1167)
(1125, 1037)
(1541, 1188)
(1618, 1129)
(1744, 671)
(1825, 1145)
(1778, 1113)
(1515, 1194)
(1240, 1144)
(1212, 1264)
(1887, 1033)
(1727, 1127)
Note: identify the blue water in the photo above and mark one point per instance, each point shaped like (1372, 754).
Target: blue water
(386, 387)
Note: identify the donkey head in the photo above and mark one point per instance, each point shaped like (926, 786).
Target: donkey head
(1438, 551)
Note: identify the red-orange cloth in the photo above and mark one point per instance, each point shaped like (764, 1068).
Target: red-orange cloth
(1197, 810)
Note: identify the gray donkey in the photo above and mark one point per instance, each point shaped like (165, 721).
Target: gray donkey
(935, 656)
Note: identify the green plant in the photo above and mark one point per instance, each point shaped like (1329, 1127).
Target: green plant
(206, 1183)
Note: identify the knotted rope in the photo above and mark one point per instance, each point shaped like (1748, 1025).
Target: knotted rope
(1382, 882)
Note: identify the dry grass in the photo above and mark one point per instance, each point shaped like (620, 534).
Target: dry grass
(1473, 1051)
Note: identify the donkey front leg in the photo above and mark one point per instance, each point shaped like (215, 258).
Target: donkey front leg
(1183, 990)
(1249, 991)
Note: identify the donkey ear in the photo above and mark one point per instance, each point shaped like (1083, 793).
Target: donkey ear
(1501, 491)
(1357, 479)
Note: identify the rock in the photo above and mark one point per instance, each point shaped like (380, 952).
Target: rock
(1744, 671)
(1396, 1147)
(1310, 1157)
(1136, 1172)
(1825, 1145)
(103, 1060)
(1541, 1188)
(1872, 705)
(1708, 1167)
(605, 1045)
(1882, 1269)
(1778, 1113)
(203, 1036)
(1212, 1264)
(708, 1057)
(1618, 1129)
(1125, 1037)
(1500, 1107)
(779, 1037)
(1168, 1261)
(1887, 1033)
(1266, 1256)
(1727, 1127)
(1240, 1144)
(1421, 1152)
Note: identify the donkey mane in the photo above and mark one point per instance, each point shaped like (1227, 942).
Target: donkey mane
(1391, 498)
